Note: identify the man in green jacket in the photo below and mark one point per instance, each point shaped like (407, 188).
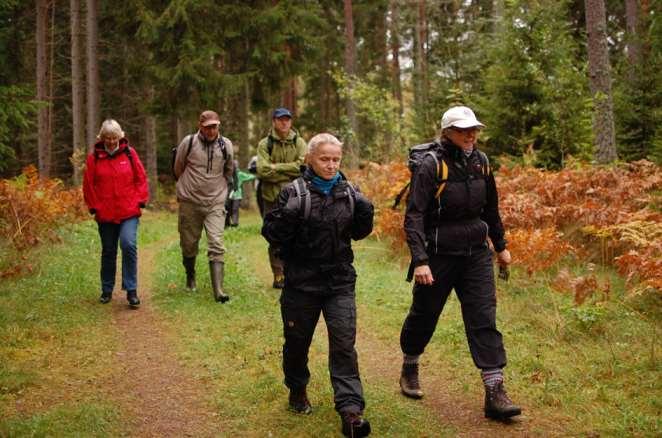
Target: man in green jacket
(279, 158)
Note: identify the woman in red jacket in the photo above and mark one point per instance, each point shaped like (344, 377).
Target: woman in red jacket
(115, 189)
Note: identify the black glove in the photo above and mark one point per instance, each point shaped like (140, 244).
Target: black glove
(93, 211)
(141, 204)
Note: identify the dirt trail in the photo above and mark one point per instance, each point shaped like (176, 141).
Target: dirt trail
(157, 395)
(380, 362)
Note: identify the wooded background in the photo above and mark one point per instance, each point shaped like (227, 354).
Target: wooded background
(550, 78)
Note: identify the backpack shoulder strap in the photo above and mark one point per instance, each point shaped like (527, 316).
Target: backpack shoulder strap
(303, 196)
(485, 163)
(442, 172)
(224, 149)
(190, 145)
(270, 144)
(351, 193)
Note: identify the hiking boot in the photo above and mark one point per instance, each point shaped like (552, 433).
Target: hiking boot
(299, 402)
(217, 272)
(409, 381)
(354, 425)
(189, 265)
(279, 281)
(132, 298)
(105, 297)
(497, 403)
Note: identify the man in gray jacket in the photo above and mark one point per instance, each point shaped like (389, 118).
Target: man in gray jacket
(203, 168)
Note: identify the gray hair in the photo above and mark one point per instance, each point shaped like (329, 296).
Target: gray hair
(110, 127)
(321, 139)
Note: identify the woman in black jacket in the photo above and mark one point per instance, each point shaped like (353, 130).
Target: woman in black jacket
(447, 236)
(318, 215)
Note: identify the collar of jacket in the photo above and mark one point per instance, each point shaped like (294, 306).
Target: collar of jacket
(206, 142)
(454, 151)
(308, 175)
(100, 148)
(289, 139)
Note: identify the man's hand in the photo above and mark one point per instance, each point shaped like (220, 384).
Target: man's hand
(503, 258)
(423, 275)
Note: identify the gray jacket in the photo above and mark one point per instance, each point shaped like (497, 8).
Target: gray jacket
(203, 174)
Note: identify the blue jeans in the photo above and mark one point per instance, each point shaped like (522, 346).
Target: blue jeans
(110, 233)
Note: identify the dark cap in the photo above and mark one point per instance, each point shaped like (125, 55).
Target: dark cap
(209, 117)
(281, 112)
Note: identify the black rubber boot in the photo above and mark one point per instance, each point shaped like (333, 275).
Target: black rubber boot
(497, 403)
(299, 402)
(132, 298)
(217, 271)
(189, 265)
(105, 297)
(409, 381)
(354, 425)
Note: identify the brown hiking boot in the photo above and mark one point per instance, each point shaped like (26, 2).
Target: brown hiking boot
(409, 381)
(299, 402)
(497, 403)
(279, 281)
(354, 425)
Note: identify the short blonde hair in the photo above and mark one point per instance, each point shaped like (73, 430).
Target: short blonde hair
(110, 127)
(322, 138)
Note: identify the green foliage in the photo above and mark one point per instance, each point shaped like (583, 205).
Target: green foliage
(376, 107)
(17, 112)
(535, 95)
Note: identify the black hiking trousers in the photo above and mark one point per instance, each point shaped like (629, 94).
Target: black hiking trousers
(301, 312)
(472, 277)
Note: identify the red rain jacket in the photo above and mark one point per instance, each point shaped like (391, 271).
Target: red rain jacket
(114, 187)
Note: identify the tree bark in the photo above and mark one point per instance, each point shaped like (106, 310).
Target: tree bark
(600, 81)
(77, 98)
(420, 60)
(350, 69)
(395, 55)
(44, 136)
(92, 61)
(150, 155)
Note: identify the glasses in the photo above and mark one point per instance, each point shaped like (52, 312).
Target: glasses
(472, 130)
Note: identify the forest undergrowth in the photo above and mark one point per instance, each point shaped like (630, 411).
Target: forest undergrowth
(590, 216)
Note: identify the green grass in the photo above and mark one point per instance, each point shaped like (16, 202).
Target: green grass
(579, 370)
(236, 349)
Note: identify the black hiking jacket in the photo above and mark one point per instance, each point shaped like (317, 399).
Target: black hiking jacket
(464, 216)
(317, 252)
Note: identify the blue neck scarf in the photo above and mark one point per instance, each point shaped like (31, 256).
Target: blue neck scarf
(325, 185)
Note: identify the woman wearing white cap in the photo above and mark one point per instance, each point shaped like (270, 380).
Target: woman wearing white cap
(447, 230)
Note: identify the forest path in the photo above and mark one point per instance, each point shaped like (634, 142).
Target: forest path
(157, 395)
(380, 363)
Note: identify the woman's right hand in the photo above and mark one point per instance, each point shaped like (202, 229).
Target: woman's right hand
(423, 275)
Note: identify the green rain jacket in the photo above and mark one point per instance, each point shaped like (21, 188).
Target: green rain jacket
(286, 158)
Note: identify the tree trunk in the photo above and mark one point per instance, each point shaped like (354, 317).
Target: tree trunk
(44, 137)
(350, 68)
(395, 55)
(420, 58)
(92, 72)
(77, 98)
(600, 81)
(497, 16)
(150, 155)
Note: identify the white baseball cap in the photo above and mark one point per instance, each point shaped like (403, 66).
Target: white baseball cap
(460, 117)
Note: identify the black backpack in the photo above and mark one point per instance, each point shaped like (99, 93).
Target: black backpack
(303, 197)
(418, 153)
(173, 152)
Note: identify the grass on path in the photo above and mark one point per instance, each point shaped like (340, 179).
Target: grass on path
(589, 370)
